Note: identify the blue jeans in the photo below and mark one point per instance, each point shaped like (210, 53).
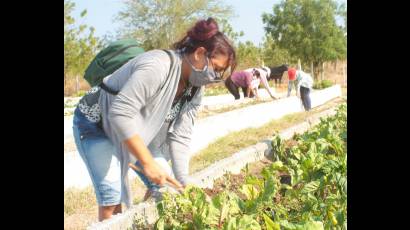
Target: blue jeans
(291, 84)
(101, 160)
(305, 96)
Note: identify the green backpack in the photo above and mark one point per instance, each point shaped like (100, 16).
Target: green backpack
(110, 59)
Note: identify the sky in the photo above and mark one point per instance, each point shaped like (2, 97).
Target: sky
(100, 15)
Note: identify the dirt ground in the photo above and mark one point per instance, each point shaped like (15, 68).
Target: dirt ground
(233, 182)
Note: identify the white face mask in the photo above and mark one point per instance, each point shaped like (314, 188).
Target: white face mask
(202, 77)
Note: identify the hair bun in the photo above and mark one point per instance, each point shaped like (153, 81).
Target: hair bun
(203, 30)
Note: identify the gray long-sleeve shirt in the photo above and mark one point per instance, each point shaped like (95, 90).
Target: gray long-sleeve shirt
(147, 85)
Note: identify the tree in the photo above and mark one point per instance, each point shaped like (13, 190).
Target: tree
(79, 47)
(248, 55)
(342, 12)
(307, 29)
(273, 55)
(227, 29)
(160, 23)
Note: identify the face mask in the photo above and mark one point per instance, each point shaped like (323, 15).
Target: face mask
(203, 77)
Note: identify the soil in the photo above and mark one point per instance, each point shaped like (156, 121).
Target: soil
(237, 180)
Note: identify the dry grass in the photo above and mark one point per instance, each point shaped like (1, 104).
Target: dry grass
(209, 112)
(81, 209)
(70, 86)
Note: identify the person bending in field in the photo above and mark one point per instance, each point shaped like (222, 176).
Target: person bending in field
(264, 76)
(159, 94)
(304, 87)
(248, 81)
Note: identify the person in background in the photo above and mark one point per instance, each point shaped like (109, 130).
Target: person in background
(256, 80)
(264, 75)
(292, 80)
(241, 79)
(304, 86)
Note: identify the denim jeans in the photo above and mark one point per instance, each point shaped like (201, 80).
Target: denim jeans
(291, 84)
(99, 156)
(305, 96)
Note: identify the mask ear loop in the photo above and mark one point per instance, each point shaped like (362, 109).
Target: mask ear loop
(192, 66)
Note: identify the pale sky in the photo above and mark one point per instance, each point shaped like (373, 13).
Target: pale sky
(100, 15)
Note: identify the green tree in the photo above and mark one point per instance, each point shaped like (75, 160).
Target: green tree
(342, 12)
(273, 55)
(159, 23)
(248, 55)
(227, 29)
(307, 29)
(79, 47)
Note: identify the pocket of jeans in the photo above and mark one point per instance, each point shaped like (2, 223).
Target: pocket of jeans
(90, 130)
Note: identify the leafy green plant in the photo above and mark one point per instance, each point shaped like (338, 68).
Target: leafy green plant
(322, 84)
(315, 198)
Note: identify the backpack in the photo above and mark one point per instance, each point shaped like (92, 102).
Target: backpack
(110, 59)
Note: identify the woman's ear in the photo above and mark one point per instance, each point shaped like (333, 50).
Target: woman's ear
(199, 53)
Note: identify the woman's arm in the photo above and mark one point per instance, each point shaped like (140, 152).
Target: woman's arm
(248, 91)
(255, 92)
(179, 138)
(127, 121)
(150, 167)
(265, 83)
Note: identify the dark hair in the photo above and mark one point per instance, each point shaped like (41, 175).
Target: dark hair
(205, 33)
(256, 73)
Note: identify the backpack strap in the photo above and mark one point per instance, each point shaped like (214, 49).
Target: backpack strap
(108, 90)
(113, 92)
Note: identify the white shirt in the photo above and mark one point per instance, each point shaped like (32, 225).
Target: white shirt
(264, 73)
(304, 79)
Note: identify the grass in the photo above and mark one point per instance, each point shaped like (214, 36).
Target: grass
(82, 204)
(79, 200)
(216, 90)
(205, 113)
(235, 141)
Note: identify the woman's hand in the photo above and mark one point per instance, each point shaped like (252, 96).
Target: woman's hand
(150, 167)
(158, 176)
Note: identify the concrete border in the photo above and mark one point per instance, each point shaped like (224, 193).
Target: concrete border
(147, 212)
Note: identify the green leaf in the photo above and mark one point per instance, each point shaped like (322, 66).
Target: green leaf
(230, 224)
(270, 225)
(286, 186)
(341, 182)
(276, 165)
(245, 222)
(226, 204)
(249, 191)
(313, 225)
(83, 13)
(254, 181)
(211, 215)
(309, 225)
(159, 225)
(311, 187)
